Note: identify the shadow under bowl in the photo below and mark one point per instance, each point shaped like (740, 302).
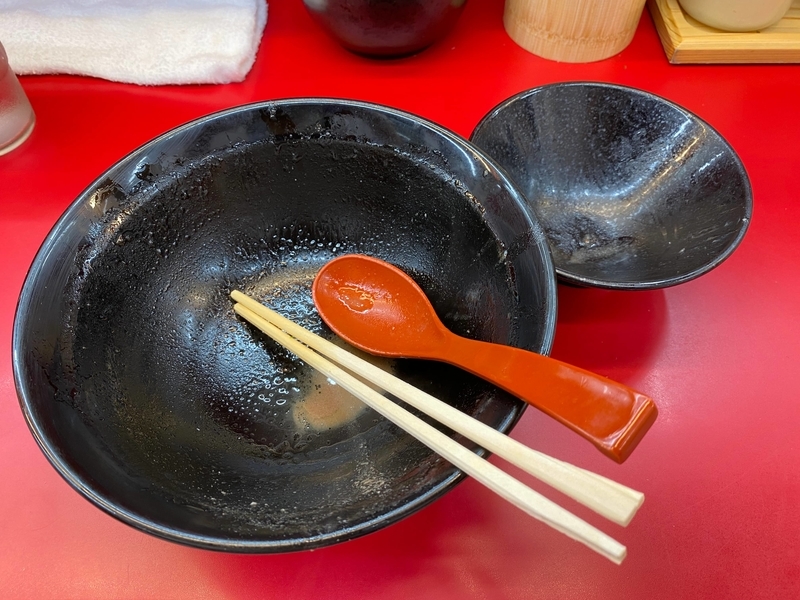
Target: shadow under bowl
(158, 404)
(633, 191)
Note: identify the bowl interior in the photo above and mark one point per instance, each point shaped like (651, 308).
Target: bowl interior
(155, 401)
(632, 190)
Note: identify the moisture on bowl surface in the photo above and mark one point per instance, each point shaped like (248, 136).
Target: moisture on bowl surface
(155, 401)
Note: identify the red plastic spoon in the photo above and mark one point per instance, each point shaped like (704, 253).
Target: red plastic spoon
(376, 307)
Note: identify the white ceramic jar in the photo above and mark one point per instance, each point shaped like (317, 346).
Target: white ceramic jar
(737, 15)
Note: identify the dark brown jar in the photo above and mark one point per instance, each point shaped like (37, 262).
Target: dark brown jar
(386, 28)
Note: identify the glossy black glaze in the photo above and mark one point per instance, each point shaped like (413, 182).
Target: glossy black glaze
(158, 404)
(386, 28)
(633, 191)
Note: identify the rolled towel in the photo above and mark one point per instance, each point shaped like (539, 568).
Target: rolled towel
(149, 42)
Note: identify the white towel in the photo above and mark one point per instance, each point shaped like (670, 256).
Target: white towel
(149, 42)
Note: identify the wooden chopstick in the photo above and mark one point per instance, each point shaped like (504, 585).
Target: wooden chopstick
(483, 471)
(608, 498)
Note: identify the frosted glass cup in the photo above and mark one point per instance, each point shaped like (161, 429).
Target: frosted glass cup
(16, 115)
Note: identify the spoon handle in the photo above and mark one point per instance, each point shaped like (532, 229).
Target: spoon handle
(610, 415)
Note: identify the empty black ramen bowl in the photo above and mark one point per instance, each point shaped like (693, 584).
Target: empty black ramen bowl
(157, 403)
(633, 191)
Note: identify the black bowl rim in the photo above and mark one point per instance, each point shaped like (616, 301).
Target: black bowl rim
(258, 546)
(566, 276)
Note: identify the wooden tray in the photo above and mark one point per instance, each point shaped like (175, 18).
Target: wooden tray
(688, 41)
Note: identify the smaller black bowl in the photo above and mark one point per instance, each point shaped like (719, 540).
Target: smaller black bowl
(633, 191)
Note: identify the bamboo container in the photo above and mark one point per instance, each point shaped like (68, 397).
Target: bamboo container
(572, 30)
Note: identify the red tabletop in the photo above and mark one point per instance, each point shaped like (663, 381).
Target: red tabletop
(720, 468)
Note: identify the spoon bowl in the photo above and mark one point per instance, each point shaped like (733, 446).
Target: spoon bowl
(378, 308)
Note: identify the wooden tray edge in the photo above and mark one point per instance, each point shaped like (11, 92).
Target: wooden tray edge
(687, 42)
